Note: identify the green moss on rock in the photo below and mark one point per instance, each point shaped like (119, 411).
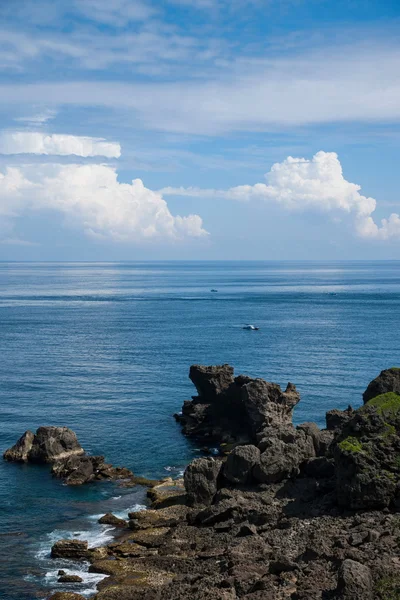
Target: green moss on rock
(351, 444)
(387, 405)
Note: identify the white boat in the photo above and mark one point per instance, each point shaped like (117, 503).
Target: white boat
(251, 327)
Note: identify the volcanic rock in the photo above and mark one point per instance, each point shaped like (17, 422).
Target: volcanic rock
(387, 381)
(48, 445)
(201, 479)
(66, 596)
(240, 463)
(355, 581)
(70, 579)
(110, 519)
(70, 549)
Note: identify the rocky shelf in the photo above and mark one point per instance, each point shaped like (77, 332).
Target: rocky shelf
(284, 512)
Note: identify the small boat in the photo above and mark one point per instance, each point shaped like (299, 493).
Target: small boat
(251, 328)
(213, 290)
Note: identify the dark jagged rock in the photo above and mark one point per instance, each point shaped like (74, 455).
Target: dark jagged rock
(110, 519)
(230, 409)
(70, 549)
(201, 480)
(367, 455)
(76, 470)
(355, 581)
(60, 447)
(48, 445)
(335, 419)
(70, 579)
(387, 381)
(240, 464)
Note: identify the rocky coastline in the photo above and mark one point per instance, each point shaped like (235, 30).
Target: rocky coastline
(282, 512)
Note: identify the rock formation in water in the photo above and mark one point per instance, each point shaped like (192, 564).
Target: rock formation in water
(232, 409)
(293, 513)
(60, 447)
(46, 446)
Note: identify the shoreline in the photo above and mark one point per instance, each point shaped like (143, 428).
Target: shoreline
(283, 512)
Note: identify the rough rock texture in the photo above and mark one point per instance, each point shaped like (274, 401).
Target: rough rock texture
(60, 447)
(387, 381)
(355, 581)
(230, 409)
(335, 419)
(367, 456)
(46, 446)
(201, 478)
(240, 463)
(70, 579)
(71, 549)
(110, 519)
(76, 470)
(299, 514)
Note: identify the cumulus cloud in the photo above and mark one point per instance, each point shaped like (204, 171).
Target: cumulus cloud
(25, 142)
(302, 184)
(91, 197)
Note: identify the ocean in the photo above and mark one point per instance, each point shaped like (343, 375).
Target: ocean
(105, 349)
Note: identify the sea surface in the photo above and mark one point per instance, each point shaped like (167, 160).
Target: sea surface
(105, 348)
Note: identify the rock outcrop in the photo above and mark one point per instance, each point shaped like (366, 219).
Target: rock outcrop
(70, 549)
(59, 446)
(48, 445)
(233, 409)
(387, 381)
(291, 513)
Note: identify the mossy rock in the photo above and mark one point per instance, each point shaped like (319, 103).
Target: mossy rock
(351, 444)
(387, 405)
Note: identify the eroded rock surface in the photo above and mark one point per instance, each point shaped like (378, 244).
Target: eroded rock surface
(48, 445)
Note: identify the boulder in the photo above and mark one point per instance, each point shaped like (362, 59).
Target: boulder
(48, 445)
(240, 462)
(70, 579)
(110, 519)
(282, 456)
(201, 480)
(20, 451)
(336, 419)
(70, 549)
(76, 470)
(354, 582)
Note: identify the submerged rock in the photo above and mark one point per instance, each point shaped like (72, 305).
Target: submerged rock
(48, 445)
(70, 579)
(76, 470)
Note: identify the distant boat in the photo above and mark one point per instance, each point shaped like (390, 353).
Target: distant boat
(213, 290)
(251, 328)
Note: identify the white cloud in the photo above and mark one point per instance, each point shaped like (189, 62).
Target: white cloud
(91, 197)
(39, 118)
(302, 184)
(117, 12)
(345, 84)
(22, 142)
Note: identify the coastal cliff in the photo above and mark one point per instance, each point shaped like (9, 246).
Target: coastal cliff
(282, 512)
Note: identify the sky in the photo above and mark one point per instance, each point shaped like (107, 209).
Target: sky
(199, 129)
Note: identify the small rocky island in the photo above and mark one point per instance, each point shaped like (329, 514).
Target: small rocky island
(284, 512)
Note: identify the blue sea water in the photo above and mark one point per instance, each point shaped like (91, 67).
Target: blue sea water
(105, 348)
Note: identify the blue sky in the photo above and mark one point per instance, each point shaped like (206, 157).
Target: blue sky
(204, 129)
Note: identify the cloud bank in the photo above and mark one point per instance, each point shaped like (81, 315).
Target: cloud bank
(22, 142)
(88, 195)
(302, 184)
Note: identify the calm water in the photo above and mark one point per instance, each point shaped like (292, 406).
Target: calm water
(105, 349)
